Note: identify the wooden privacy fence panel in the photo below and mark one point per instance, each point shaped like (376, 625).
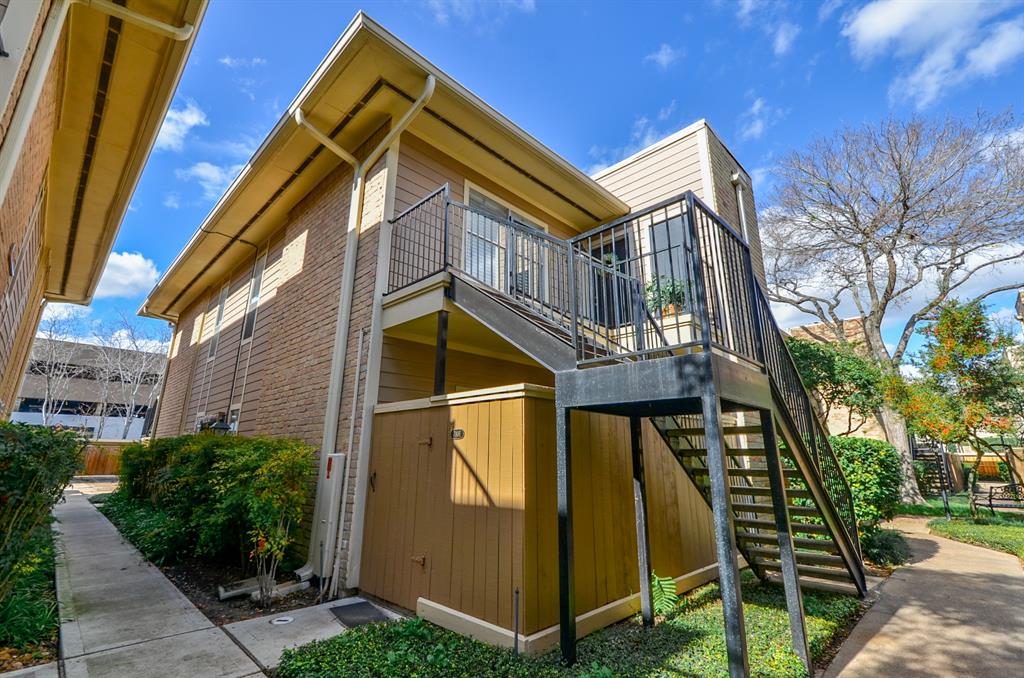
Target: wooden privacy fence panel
(103, 457)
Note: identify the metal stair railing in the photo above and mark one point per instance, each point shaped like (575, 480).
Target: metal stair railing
(666, 279)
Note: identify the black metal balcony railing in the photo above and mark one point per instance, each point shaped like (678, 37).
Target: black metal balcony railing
(669, 278)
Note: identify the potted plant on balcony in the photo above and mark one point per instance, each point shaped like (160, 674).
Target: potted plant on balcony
(666, 296)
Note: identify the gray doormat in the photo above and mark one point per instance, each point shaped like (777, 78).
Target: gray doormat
(357, 614)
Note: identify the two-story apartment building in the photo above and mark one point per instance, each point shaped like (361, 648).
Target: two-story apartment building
(84, 87)
(407, 280)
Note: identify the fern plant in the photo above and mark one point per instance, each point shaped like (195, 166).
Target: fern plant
(663, 591)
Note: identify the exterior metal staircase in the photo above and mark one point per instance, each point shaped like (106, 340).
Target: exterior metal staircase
(659, 315)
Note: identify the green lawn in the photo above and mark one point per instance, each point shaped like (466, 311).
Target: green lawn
(959, 506)
(1001, 533)
(689, 642)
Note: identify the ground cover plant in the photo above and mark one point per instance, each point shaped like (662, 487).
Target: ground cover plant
(690, 641)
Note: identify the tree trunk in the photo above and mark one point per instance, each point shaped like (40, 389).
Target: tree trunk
(896, 432)
(892, 421)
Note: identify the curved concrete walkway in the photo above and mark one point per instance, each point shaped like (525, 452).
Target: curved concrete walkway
(955, 610)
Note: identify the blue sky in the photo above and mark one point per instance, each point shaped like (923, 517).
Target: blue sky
(594, 81)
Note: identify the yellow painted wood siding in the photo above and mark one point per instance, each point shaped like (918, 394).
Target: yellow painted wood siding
(407, 371)
(481, 511)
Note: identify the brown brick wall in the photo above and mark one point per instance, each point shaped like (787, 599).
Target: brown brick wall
(21, 228)
(723, 166)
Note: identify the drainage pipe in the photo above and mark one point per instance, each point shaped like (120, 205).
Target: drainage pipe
(324, 515)
(42, 56)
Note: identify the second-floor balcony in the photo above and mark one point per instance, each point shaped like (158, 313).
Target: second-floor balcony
(626, 290)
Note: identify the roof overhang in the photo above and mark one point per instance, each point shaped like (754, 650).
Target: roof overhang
(109, 117)
(367, 78)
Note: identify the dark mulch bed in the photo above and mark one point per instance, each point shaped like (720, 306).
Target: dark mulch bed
(199, 580)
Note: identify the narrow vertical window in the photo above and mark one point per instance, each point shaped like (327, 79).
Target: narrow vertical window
(249, 325)
(221, 302)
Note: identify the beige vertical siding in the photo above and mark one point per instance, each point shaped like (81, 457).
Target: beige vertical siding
(481, 511)
(658, 173)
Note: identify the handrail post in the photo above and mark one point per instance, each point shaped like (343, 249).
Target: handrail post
(509, 259)
(693, 245)
(753, 290)
(445, 257)
(573, 301)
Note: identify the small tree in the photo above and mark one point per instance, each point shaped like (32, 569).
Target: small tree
(896, 218)
(967, 392)
(841, 379)
(53, 359)
(131, 361)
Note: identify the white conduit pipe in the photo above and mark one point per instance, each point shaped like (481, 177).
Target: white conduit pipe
(325, 513)
(41, 59)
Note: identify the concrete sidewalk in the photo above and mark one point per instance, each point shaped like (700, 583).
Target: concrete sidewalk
(121, 617)
(955, 610)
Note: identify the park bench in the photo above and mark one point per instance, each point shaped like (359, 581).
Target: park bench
(999, 496)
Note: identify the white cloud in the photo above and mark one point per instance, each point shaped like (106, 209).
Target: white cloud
(666, 112)
(942, 48)
(664, 56)
(481, 13)
(828, 8)
(785, 34)
(758, 118)
(242, 62)
(772, 20)
(171, 201)
(178, 123)
(128, 274)
(760, 177)
(57, 311)
(213, 178)
(643, 134)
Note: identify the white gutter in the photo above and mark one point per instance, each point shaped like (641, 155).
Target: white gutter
(741, 208)
(325, 512)
(41, 59)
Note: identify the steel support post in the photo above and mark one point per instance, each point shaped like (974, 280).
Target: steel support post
(566, 578)
(441, 353)
(787, 554)
(643, 542)
(725, 538)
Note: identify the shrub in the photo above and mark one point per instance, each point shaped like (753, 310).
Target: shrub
(885, 547)
(1004, 472)
(220, 498)
(36, 464)
(873, 470)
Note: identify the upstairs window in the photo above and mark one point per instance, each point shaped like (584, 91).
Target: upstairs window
(221, 302)
(249, 324)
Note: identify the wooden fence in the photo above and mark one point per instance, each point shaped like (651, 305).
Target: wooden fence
(103, 457)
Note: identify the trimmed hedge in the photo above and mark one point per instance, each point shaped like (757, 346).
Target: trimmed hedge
(216, 497)
(874, 472)
(36, 464)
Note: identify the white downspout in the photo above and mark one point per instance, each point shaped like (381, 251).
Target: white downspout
(324, 512)
(42, 56)
(741, 208)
